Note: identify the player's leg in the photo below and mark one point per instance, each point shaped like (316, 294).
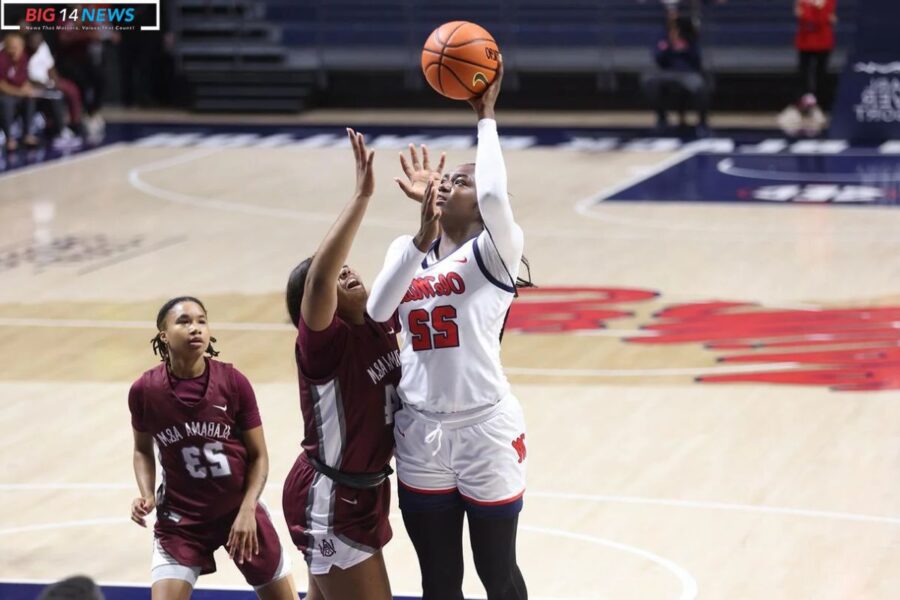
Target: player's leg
(170, 580)
(346, 558)
(367, 580)
(491, 462)
(494, 550)
(434, 525)
(313, 592)
(171, 589)
(269, 571)
(341, 564)
(294, 501)
(280, 589)
(431, 506)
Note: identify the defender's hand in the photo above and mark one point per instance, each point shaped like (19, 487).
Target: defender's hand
(365, 175)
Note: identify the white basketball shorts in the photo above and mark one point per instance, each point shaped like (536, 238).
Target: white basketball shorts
(481, 453)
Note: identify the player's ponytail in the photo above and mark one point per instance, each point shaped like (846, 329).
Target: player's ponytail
(293, 295)
(524, 282)
(519, 282)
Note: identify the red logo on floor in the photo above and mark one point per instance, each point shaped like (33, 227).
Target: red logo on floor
(863, 344)
(584, 309)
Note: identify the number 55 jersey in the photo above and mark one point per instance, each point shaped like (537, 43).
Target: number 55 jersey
(452, 316)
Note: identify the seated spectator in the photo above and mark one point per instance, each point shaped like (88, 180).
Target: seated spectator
(678, 80)
(81, 59)
(58, 92)
(16, 93)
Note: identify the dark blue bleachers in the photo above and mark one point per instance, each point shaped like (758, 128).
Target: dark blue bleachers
(574, 35)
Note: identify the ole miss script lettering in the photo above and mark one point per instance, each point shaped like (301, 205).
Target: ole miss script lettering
(435, 329)
(429, 286)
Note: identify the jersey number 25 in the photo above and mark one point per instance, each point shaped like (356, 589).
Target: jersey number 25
(216, 461)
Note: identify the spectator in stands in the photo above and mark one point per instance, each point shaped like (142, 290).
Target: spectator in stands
(814, 42)
(693, 7)
(17, 95)
(80, 57)
(678, 80)
(43, 75)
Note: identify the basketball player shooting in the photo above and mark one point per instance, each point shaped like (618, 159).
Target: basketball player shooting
(460, 433)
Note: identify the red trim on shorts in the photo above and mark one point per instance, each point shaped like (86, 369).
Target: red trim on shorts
(421, 491)
(495, 502)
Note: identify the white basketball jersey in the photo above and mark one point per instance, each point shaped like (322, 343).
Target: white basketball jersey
(451, 319)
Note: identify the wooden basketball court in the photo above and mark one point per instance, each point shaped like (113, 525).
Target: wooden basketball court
(643, 483)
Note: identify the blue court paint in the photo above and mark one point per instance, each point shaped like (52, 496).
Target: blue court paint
(850, 177)
(30, 591)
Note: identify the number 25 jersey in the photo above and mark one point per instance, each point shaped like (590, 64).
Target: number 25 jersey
(197, 426)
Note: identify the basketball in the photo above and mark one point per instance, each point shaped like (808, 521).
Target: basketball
(460, 60)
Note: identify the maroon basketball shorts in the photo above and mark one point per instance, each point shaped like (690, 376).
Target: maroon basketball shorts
(331, 524)
(186, 551)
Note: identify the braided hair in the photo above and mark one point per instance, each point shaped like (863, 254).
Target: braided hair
(159, 347)
(518, 283)
(524, 282)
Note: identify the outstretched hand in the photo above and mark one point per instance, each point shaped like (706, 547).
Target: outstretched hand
(418, 174)
(365, 175)
(430, 226)
(484, 104)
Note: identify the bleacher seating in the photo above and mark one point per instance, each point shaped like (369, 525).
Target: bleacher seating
(538, 36)
(569, 35)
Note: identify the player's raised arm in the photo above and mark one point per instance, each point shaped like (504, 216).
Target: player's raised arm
(491, 180)
(403, 258)
(320, 295)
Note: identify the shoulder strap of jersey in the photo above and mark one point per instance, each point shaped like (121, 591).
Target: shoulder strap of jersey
(222, 373)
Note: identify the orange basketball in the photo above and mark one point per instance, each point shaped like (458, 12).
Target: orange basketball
(460, 60)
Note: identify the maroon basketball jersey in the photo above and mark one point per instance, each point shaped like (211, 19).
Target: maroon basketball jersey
(348, 377)
(199, 442)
